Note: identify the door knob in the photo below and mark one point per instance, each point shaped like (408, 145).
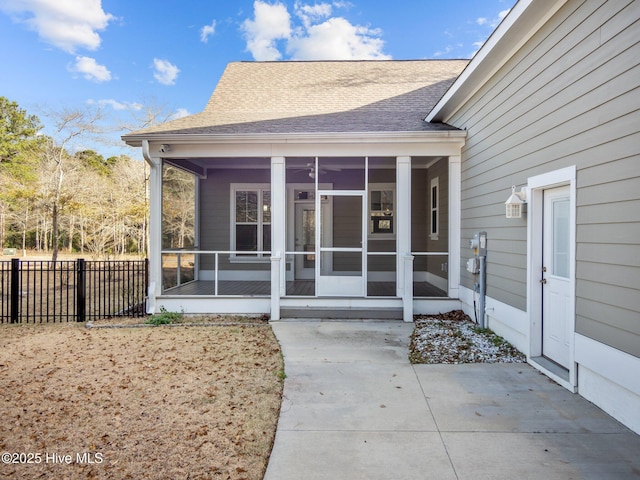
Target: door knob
(543, 281)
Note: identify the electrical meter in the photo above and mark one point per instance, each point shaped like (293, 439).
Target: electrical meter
(473, 265)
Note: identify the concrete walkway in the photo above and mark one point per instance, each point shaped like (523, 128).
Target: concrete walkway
(355, 408)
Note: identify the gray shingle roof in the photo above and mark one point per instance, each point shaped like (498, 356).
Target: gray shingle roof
(321, 97)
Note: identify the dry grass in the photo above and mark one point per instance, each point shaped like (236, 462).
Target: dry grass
(155, 402)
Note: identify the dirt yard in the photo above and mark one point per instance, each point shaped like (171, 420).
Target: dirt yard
(157, 402)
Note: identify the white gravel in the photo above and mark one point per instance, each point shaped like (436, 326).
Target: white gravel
(452, 338)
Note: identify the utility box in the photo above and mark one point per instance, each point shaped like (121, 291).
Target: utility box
(473, 265)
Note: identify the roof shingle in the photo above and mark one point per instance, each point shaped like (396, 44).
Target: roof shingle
(321, 97)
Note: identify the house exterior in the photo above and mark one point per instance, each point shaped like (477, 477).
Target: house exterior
(283, 147)
(341, 186)
(551, 104)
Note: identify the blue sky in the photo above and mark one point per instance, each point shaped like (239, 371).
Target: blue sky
(123, 55)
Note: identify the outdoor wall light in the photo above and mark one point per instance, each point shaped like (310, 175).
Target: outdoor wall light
(515, 203)
(164, 148)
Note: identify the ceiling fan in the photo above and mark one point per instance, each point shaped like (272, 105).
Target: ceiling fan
(311, 167)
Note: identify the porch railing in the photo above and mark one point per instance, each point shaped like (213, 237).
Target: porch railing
(183, 274)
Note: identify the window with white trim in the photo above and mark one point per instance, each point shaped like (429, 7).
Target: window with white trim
(435, 208)
(382, 198)
(251, 220)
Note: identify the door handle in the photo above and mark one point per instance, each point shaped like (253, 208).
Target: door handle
(543, 281)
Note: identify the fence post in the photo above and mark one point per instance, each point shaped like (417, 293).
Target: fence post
(81, 290)
(15, 289)
(145, 293)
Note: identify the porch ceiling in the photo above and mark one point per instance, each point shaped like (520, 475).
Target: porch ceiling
(199, 166)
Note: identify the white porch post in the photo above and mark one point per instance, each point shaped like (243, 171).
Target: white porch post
(275, 287)
(278, 233)
(407, 297)
(155, 232)
(455, 205)
(403, 233)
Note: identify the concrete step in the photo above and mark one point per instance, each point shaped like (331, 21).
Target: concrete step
(342, 313)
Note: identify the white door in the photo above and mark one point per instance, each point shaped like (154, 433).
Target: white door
(340, 266)
(556, 281)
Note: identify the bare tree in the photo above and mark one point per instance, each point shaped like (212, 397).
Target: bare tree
(70, 126)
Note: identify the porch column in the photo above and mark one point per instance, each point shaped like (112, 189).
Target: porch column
(403, 221)
(407, 298)
(278, 232)
(155, 232)
(455, 206)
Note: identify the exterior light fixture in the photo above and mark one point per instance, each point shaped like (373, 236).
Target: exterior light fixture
(164, 148)
(514, 204)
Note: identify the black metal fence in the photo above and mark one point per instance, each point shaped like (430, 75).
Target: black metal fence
(72, 290)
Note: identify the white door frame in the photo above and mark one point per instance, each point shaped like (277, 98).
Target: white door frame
(330, 284)
(535, 188)
(556, 280)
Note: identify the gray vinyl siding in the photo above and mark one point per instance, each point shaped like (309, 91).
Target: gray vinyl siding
(421, 240)
(215, 208)
(570, 96)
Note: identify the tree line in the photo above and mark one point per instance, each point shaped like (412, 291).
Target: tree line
(55, 197)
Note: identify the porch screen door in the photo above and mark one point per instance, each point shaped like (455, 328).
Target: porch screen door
(341, 267)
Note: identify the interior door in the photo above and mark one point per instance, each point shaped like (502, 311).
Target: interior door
(340, 267)
(556, 280)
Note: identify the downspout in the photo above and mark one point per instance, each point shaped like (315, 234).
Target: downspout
(145, 152)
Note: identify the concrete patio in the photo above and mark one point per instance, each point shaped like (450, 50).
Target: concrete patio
(355, 408)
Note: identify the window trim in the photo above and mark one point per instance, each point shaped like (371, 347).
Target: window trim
(260, 188)
(434, 227)
(378, 187)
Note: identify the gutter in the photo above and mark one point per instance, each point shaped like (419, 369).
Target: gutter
(283, 138)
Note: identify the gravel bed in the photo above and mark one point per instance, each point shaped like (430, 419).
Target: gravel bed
(452, 338)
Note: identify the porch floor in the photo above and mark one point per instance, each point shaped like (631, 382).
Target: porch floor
(298, 288)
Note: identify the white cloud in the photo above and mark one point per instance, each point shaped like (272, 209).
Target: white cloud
(477, 46)
(501, 15)
(180, 113)
(207, 31)
(165, 72)
(319, 36)
(66, 24)
(271, 23)
(116, 105)
(312, 13)
(90, 69)
(493, 22)
(341, 4)
(337, 39)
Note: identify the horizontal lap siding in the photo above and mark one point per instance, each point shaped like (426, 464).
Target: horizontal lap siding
(570, 96)
(421, 240)
(215, 211)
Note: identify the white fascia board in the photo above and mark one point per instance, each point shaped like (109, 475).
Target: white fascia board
(280, 138)
(521, 23)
